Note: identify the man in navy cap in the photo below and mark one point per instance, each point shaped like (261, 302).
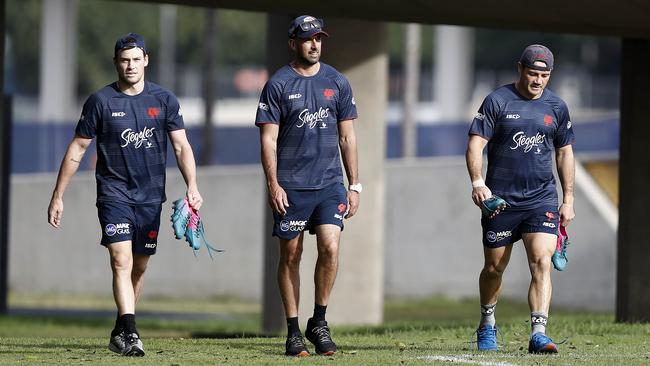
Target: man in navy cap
(522, 124)
(305, 114)
(131, 119)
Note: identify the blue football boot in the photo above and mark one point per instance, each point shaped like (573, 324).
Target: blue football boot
(559, 258)
(180, 217)
(195, 234)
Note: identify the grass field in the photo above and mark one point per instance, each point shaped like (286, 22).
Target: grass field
(435, 331)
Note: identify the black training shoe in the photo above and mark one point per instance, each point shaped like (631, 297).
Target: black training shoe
(133, 346)
(295, 346)
(318, 333)
(116, 343)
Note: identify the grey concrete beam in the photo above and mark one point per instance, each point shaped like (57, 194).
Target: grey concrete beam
(5, 165)
(410, 93)
(273, 320)
(453, 71)
(600, 17)
(167, 59)
(58, 81)
(358, 49)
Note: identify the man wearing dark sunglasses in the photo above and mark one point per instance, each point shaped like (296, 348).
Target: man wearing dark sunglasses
(305, 114)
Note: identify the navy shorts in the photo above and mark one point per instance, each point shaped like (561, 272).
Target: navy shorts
(507, 227)
(137, 223)
(310, 208)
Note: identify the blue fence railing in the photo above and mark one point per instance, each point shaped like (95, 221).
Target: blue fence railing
(40, 147)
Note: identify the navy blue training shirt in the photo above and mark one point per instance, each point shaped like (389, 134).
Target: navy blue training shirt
(307, 109)
(131, 136)
(522, 135)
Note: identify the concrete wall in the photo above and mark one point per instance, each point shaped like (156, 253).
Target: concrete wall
(70, 259)
(432, 240)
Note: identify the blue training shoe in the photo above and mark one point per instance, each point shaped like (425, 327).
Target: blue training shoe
(541, 343)
(486, 338)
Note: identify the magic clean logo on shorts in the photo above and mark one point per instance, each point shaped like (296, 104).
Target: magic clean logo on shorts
(121, 228)
(293, 225)
(110, 229)
(493, 237)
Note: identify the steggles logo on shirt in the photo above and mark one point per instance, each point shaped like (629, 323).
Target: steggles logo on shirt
(137, 138)
(527, 143)
(312, 119)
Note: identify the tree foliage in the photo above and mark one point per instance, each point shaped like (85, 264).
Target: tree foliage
(23, 31)
(240, 38)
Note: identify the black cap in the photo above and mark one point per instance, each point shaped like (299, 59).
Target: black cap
(306, 26)
(537, 52)
(130, 40)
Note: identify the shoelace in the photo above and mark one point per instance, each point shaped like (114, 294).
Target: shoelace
(296, 341)
(193, 221)
(482, 331)
(120, 337)
(322, 333)
(545, 337)
(556, 343)
(541, 338)
(195, 242)
(201, 233)
(195, 229)
(183, 206)
(185, 217)
(131, 338)
(565, 245)
(186, 220)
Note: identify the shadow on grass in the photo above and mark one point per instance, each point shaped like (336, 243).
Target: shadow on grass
(228, 335)
(226, 327)
(89, 321)
(396, 327)
(46, 347)
(277, 347)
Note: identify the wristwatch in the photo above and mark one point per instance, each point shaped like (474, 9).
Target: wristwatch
(356, 187)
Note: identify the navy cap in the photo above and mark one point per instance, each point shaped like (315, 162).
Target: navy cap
(306, 26)
(130, 40)
(537, 52)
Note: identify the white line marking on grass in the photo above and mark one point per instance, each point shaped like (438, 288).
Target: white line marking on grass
(462, 359)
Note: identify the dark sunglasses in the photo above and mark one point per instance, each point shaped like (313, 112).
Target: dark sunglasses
(312, 24)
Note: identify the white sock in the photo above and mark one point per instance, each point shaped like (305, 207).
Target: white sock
(487, 315)
(538, 322)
